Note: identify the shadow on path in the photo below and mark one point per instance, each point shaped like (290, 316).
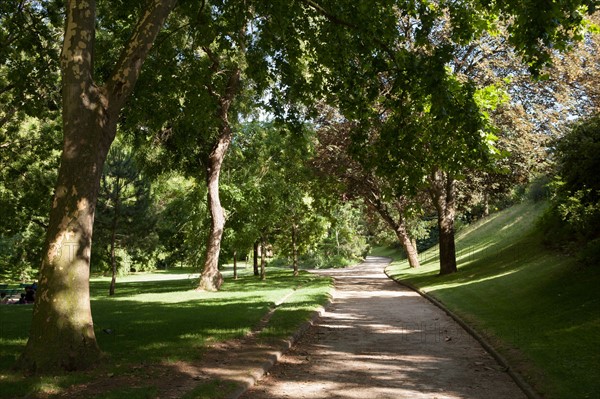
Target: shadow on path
(382, 340)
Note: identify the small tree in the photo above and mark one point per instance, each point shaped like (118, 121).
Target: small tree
(124, 215)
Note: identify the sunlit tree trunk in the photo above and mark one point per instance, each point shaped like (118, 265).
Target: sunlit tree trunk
(211, 278)
(263, 259)
(295, 248)
(62, 332)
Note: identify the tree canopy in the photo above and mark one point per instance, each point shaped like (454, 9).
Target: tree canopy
(182, 82)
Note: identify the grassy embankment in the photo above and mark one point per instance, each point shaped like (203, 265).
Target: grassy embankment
(540, 309)
(159, 318)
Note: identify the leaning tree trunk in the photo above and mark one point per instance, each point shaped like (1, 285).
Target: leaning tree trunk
(408, 245)
(62, 332)
(399, 227)
(443, 197)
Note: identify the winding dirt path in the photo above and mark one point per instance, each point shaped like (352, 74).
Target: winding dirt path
(381, 340)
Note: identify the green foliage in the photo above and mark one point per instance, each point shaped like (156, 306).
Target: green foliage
(29, 156)
(125, 216)
(539, 189)
(29, 63)
(574, 215)
(539, 27)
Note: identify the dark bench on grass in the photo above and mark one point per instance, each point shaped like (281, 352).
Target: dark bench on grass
(14, 290)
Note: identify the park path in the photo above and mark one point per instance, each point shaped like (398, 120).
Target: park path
(381, 340)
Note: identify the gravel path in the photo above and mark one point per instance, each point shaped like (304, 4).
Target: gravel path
(381, 340)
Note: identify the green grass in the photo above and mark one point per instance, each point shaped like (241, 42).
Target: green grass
(541, 309)
(158, 317)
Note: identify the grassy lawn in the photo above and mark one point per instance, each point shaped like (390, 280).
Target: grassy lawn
(158, 317)
(539, 308)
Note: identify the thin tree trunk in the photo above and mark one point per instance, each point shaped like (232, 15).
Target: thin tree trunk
(235, 276)
(255, 258)
(62, 332)
(399, 228)
(113, 239)
(486, 204)
(295, 248)
(263, 261)
(442, 194)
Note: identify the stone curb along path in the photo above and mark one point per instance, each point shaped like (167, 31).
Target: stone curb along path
(517, 378)
(377, 339)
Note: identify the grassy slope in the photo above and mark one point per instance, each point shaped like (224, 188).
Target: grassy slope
(540, 309)
(159, 317)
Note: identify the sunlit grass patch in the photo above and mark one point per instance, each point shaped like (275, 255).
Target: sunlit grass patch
(538, 307)
(154, 320)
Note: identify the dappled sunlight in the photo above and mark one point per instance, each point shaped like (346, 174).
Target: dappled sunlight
(380, 340)
(512, 224)
(472, 280)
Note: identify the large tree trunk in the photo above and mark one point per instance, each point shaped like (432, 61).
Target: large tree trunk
(211, 279)
(443, 197)
(62, 332)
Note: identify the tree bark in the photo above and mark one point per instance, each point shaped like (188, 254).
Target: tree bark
(255, 258)
(409, 246)
(235, 276)
(263, 260)
(399, 228)
(486, 204)
(211, 279)
(295, 248)
(443, 197)
(62, 332)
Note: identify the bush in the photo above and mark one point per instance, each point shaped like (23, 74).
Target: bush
(539, 189)
(574, 215)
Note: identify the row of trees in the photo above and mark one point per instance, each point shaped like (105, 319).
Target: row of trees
(410, 118)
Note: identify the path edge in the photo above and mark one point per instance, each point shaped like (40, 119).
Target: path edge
(517, 378)
(280, 348)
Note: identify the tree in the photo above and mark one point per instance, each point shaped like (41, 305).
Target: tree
(537, 28)
(123, 211)
(62, 333)
(28, 161)
(574, 214)
(29, 60)
(334, 161)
